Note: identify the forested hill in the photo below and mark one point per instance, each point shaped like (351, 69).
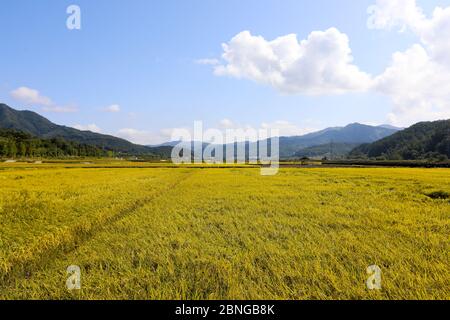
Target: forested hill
(35, 125)
(354, 133)
(38, 126)
(329, 151)
(19, 144)
(424, 140)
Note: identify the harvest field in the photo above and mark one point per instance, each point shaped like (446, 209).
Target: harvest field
(223, 233)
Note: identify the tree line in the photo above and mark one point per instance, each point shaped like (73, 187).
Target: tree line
(422, 141)
(19, 144)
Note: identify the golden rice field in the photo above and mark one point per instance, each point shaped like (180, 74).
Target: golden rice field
(222, 233)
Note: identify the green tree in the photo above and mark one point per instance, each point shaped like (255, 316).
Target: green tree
(12, 149)
(22, 150)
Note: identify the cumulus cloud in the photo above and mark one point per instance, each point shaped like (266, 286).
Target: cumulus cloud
(320, 64)
(136, 136)
(418, 86)
(282, 127)
(207, 61)
(145, 137)
(417, 80)
(90, 127)
(114, 108)
(434, 32)
(226, 124)
(287, 129)
(59, 109)
(30, 97)
(276, 128)
(389, 14)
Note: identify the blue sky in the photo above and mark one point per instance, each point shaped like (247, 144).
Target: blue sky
(143, 56)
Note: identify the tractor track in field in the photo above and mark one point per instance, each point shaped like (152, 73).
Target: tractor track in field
(70, 240)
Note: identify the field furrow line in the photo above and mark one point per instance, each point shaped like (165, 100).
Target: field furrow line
(68, 239)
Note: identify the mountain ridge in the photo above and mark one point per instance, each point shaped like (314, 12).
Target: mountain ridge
(352, 135)
(36, 125)
(423, 140)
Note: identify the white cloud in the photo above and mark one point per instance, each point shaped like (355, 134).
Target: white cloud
(135, 136)
(60, 109)
(145, 137)
(287, 129)
(417, 80)
(207, 61)
(284, 128)
(389, 14)
(434, 32)
(321, 64)
(90, 127)
(30, 97)
(114, 108)
(226, 124)
(418, 85)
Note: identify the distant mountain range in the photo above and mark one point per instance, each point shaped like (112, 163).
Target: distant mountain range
(330, 142)
(38, 126)
(424, 140)
(351, 136)
(343, 138)
(354, 133)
